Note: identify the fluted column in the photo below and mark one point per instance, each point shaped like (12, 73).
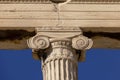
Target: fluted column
(59, 49)
(61, 63)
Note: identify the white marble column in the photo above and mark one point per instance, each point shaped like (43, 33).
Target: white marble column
(61, 62)
(57, 48)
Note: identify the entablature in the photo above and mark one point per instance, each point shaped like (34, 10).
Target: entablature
(99, 20)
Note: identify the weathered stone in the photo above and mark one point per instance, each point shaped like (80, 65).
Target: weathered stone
(102, 37)
(59, 49)
(66, 33)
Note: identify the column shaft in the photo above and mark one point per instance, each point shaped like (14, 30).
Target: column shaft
(60, 69)
(61, 63)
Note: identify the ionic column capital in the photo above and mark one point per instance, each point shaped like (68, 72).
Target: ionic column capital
(50, 37)
(59, 48)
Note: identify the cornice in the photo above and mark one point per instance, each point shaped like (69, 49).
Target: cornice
(73, 1)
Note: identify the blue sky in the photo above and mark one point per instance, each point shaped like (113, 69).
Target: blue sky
(100, 64)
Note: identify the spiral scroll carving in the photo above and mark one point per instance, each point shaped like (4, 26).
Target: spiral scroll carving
(38, 42)
(81, 42)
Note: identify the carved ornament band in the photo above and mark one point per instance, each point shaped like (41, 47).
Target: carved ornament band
(72, 1)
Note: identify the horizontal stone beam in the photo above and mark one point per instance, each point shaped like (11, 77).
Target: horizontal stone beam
(15, 38)
(83, 15)
(71, 23)
(63, 15)
(50, 7)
